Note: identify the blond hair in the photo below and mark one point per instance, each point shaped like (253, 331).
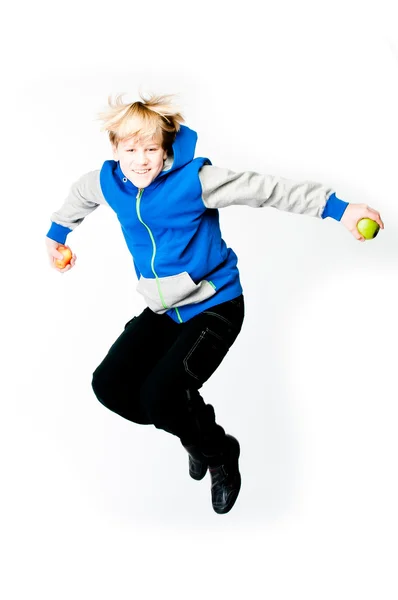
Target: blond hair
(154, 116)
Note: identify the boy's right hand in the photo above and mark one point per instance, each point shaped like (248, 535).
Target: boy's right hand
(53, 254)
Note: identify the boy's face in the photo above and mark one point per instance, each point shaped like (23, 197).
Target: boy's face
(140, 160)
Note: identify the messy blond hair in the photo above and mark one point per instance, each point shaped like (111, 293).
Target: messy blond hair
(152, 116)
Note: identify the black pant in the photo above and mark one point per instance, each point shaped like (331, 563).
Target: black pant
(153, 371)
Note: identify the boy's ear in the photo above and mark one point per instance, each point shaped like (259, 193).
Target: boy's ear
(114, 152)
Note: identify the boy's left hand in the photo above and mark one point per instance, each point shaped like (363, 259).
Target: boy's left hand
(354, 213)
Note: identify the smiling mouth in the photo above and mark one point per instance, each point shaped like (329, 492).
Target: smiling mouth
(142, 172)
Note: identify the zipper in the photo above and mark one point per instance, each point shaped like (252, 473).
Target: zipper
(138, 198)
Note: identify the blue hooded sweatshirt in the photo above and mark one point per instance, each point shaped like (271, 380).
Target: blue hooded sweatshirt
(172, 228)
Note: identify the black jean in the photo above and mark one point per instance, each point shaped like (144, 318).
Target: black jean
(153, 371)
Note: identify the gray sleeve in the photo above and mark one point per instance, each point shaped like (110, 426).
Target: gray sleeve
(222, 187)
(84, 196)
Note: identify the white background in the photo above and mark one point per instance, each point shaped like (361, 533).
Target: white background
(94, 506)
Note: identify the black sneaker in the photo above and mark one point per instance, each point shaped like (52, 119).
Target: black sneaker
(225, 477)
(197, 462)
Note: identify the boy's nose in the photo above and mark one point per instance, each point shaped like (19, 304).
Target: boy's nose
(141, 159)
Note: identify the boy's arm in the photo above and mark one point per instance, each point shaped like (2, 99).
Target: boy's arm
(85, 195)
(222, 187)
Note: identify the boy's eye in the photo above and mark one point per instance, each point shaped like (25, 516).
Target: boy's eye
(150, 149)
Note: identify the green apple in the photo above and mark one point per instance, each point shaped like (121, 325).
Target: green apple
(368, 228)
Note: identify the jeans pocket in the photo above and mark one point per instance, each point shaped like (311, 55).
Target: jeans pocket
(206, 355)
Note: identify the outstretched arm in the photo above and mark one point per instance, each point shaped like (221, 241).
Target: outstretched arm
(84, 197)
(222, 187)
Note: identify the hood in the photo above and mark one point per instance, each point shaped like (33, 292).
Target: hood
(183, 150)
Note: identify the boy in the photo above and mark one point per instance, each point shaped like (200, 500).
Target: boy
(167, 204)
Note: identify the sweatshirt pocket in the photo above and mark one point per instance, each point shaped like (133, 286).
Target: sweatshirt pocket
(163, 293)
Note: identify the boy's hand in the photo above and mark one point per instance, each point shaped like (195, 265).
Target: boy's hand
(53, 254)
(354, 213)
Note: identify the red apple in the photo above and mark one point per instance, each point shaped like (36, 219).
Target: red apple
(67, 253)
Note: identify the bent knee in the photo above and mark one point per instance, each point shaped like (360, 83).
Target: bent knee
(119, 397)
(106, 386)
(101, 390)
